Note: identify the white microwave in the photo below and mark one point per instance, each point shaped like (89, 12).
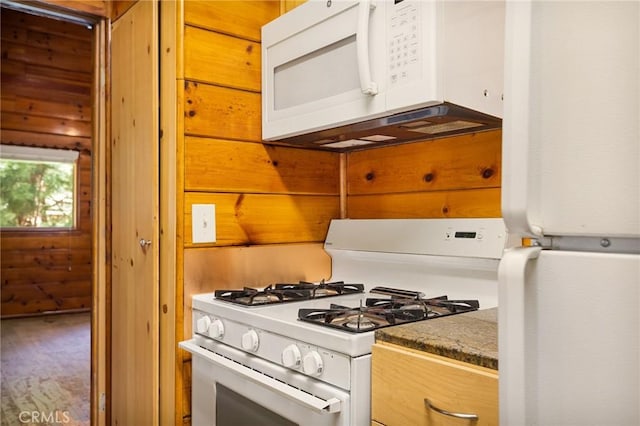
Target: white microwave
(332, 63)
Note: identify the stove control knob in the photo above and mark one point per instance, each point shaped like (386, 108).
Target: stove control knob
(312, 364)
(250, 341)
(202, 325)
(291, 357)
(216, 329)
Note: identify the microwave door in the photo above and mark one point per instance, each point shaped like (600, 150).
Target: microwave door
(312, 78)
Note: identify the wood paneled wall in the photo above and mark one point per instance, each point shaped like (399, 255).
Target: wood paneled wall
(275, 202)
(271, 198)
(47, 82)
(263, 194)
(271, 202)
(452, 177)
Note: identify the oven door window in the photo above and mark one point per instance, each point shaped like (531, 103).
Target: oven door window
(233, 409)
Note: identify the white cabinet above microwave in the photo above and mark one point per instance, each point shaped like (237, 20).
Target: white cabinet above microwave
(332, 63)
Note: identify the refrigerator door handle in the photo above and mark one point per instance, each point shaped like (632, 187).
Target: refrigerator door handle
(517, 194)
(511, 333)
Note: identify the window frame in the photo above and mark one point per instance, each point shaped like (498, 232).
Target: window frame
(43, 154)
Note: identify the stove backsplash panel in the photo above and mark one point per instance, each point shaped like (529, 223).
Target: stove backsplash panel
(210, 269)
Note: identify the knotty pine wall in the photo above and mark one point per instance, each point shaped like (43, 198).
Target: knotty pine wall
(263, 194)
(273, 204)
(47, 80)
(443, 178)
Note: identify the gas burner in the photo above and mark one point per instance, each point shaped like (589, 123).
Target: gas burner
(287, 292)
(261, 299)
(355, 320)
(360, 322)
(433, 307)
(380, 313)
(324, 289)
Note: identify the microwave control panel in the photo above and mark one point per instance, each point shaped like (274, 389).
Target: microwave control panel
(403, 20)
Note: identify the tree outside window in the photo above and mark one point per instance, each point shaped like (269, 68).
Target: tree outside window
(37, 187)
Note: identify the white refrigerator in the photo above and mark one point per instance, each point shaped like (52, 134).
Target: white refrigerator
(569, 323)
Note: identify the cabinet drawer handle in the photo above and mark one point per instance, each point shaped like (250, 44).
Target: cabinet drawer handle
(429, 405)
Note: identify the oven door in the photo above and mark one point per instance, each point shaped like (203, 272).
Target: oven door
(231, 388)
(322, 66)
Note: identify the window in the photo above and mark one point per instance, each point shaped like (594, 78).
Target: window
(37, 187)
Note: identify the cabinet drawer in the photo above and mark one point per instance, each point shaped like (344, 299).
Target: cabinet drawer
(402, 379)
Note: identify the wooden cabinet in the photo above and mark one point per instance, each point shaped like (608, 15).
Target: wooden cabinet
(403, 379)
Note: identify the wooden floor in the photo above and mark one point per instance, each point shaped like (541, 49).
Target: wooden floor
(45, 370)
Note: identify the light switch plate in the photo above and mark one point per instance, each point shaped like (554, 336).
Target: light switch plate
(203, 223)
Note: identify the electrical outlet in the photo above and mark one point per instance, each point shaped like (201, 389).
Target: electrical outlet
(203, 223)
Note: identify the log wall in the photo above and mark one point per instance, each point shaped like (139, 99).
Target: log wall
(452, 177)
(272, 203)
(46, 102)
(263, 194)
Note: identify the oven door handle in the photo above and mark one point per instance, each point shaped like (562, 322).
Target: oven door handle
(332, 405)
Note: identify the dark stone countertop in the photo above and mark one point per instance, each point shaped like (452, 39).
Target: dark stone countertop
(470, 337)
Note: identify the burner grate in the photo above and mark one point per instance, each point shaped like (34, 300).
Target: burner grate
(380, 313)
(287, 292)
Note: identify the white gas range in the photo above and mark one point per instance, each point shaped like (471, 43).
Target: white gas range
(300, 353)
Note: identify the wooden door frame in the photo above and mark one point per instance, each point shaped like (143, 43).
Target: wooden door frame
(101, 203)
(171, 314)
(101, 238)
(101, 213)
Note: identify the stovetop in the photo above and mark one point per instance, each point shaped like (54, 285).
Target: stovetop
(370, 311)
(384, 312)
(402, 306)
(283, 318)
(287, 292)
